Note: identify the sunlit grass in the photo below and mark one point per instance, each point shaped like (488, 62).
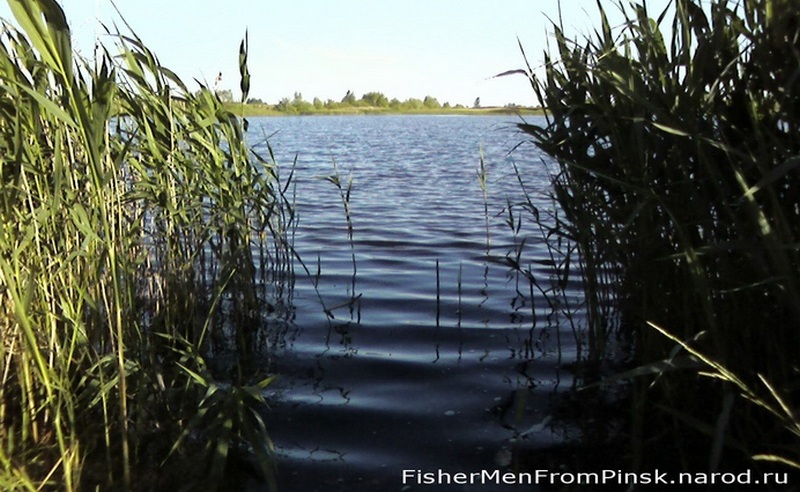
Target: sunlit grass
(130, 209)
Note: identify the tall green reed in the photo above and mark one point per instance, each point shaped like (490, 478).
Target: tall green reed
(130, 211)
(563, 308)
(677, 150)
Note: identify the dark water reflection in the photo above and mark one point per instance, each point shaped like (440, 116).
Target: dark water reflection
(407, 375)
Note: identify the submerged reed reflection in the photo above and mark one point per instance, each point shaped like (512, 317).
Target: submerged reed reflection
(445, 325)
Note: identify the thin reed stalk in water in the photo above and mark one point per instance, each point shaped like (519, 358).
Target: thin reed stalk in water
(438, 294)
(344, 195)
(483, 182)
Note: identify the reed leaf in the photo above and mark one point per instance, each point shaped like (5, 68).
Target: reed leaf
(130, 210)
(677, 163)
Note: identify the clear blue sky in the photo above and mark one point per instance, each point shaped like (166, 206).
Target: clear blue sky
(448, 49)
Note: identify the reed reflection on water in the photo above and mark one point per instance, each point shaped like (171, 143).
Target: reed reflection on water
(413, 342)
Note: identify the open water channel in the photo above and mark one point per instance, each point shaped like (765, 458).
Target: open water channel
(421, 367)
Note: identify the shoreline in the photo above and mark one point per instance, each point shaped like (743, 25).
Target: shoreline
(250, 110)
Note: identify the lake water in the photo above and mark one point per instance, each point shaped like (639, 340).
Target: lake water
(420, 367)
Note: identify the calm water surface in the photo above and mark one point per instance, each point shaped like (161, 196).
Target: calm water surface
(417, 368)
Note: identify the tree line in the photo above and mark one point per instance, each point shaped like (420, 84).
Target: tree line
(299, 105)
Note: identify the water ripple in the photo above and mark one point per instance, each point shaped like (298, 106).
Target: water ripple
(433, 331)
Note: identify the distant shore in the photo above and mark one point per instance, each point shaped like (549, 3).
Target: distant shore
(270, 110)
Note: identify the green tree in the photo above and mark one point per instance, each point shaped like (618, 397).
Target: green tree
(349, 98)
(299, 105)
(412, 103)
(376, 99)
(431, 102)
(284, 105)
(318, 103)
(302, 107)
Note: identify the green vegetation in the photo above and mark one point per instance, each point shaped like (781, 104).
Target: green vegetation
(369, 103)
(677, 174)
(130, 301)
(142, 244)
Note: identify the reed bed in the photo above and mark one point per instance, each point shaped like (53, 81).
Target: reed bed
(131, 302)
(676, 141)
